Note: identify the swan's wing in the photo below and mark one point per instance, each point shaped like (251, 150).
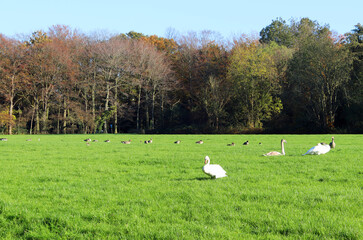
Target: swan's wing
(312, 151)
(207, 170)
(317, 150)
(274, 153)
(216, 170)
(325, 149)
(219, 169)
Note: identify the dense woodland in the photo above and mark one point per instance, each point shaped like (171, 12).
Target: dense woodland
(295, 77)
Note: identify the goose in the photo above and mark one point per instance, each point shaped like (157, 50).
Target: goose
(213, 170)
(177, 142)
(150, 141)
(274, 153)
(126, 142)
(146, 141)
(199, 142)
(87, 140)
(246, 143)
(318, 149)
(332, 144)
(231, 144)
(3, 139)
(107, 140)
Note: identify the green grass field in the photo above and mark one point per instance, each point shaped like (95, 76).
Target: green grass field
(61, 188)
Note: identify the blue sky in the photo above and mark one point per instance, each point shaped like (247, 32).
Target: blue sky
(228, 17)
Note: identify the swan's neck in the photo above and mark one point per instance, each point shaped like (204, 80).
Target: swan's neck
(282, 148)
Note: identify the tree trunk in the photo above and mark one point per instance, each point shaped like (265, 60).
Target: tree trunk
(94, 106)
(162, 109)
(58, 121)
(116, 104)
(10, 126)
(86, 110)
(106, 105)
(45, 116)
(37, 124)
(147, 118)
(10, 132)
(19, 119)
(138, 109)
(152, 125)
(217, 123)
(31, 122)
(64, 116)
(93, 96)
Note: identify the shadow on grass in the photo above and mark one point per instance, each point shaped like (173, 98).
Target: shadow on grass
(193, 179)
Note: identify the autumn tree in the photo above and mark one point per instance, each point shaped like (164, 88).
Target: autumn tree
(114, 66)
(167, 49)
(89, 82)
(317, 75)
(65, 48)
(353, 112)
(254, 72)
(12, 74)
(41, 85)
(201, 57)
(150, 71)
(215, 96)
(165, 45)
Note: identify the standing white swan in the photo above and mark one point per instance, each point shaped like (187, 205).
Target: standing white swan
(318, 149)
(213, 170)
(274, 153)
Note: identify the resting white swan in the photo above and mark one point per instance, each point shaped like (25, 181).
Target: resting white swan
(274, 153)
(213, 170)
(318, 149)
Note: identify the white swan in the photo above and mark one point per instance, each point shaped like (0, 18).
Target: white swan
(213, 170)
(318, 149)
(274, 153)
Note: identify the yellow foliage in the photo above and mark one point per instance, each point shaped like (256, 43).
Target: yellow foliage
(5, 120)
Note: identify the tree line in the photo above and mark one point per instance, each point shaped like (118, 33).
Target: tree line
(295, 77)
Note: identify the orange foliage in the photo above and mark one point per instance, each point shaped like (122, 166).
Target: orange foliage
(5, 120)
(169, 46)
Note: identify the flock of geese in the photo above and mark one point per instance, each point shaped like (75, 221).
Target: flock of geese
(216, 171)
